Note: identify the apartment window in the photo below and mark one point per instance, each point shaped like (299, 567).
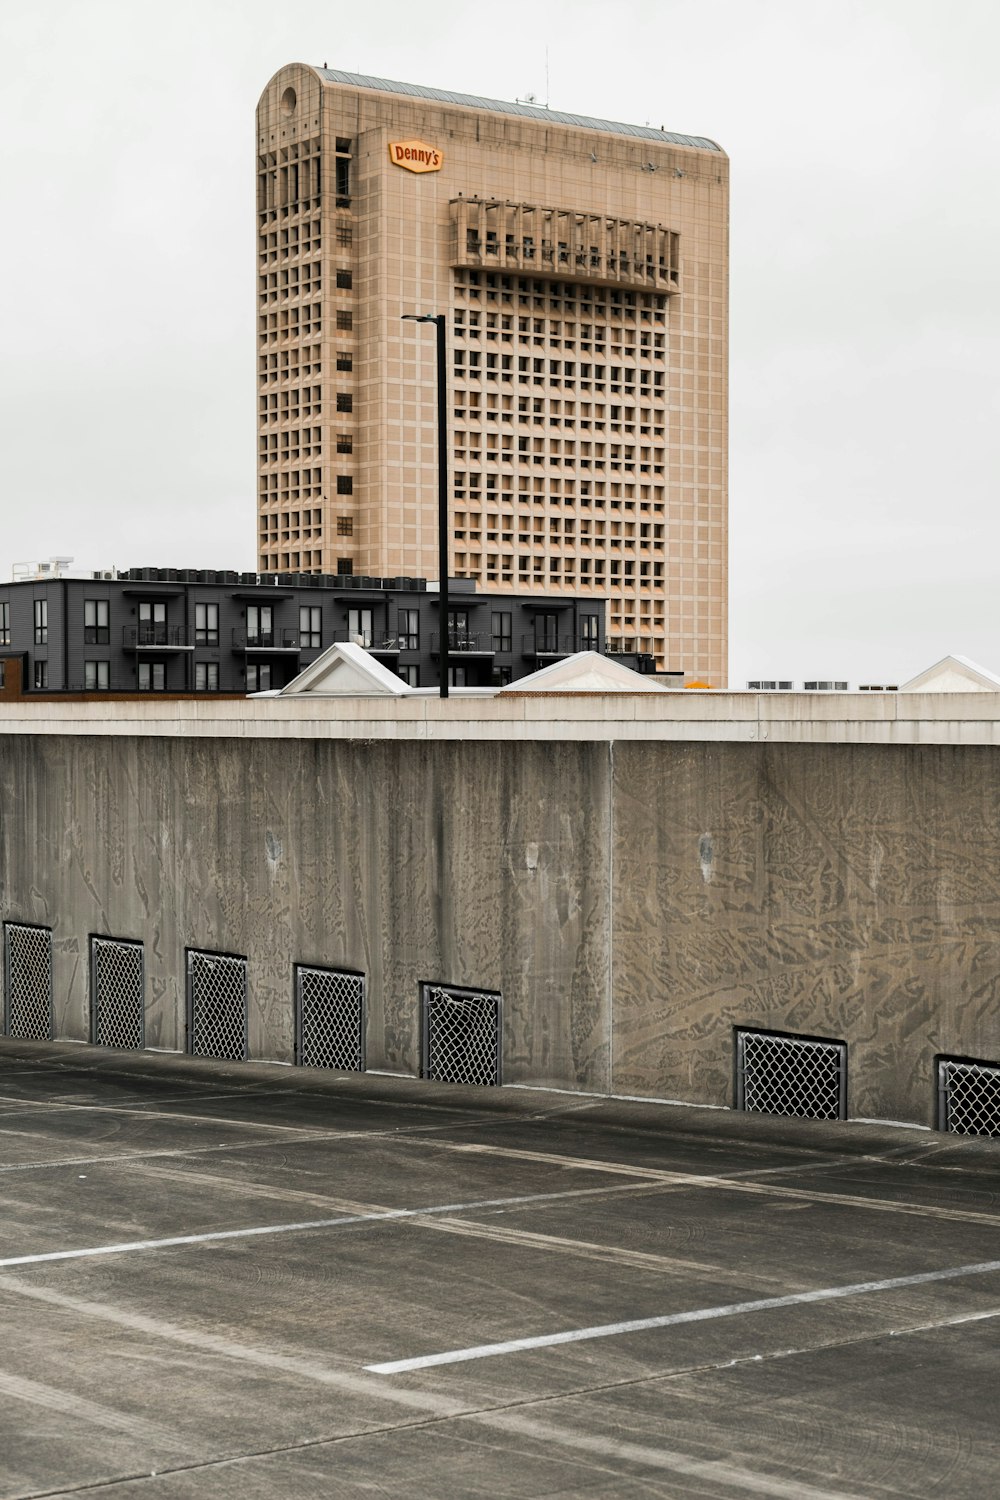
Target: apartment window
(41, 623)
(546, 632)
(344, 279)
(152, 623)
(408, 622)
(345, 484)
(457, 677)
(344, 235)
(151, 676)
(345, 567)
(206, 624)
(41, 674)
(206, 676)
(345, 525)
(345, 319)
(345, 442)
(95, 622)
(4, 623)
(360, 626)
(410, 675)
(345, 401)
(589, 632)
(258, 677)
(501, 676)
(343, 185)
(310, 626)
(260, 625)
(502, 630)
(345, 362)
(96, 676)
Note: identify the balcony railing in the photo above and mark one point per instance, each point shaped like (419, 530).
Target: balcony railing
(155, 636)
(376, 641)
(265, 640)
(464, 643)
(549, 643)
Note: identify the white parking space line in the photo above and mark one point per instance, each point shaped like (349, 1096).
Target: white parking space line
(672, 1320)
(378, 1215)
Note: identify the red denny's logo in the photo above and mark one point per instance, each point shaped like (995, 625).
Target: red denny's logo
(415, 156)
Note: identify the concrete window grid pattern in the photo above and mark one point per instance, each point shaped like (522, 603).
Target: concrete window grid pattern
(661, 210)
(559, 456)
(298, 515)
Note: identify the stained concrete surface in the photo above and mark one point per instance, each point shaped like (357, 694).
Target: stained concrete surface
(230, 1358)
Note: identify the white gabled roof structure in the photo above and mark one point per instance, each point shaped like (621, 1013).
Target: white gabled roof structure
(585, 672)
(953, 674)
(345, 671)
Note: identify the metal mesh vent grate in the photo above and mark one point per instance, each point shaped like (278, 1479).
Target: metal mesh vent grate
(27, 953)
(968, 1097)
(217, 1005)
(329, 1019)
(461, 1035)
(117, 993)
(790, 1075)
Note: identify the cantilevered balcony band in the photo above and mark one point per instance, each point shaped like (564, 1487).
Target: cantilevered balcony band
(559, 243)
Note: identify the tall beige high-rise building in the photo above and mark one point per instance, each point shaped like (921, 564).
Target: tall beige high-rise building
(582, 266)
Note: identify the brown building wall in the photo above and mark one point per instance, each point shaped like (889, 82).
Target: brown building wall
(633, 902)
(619, 488)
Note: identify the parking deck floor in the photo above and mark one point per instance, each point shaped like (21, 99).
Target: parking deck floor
(245, 1281)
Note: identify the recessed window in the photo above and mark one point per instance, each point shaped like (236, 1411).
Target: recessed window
(151, 676)
(41, 674)
(41, 623)
(96, 676)
(206, 676)
(206, 624)
(345, 525)
(344, 281)
(345, 319)
(95, 622)
(310, 626)
(345, 443)
(345, 401)
(345, 484)
(408, 623)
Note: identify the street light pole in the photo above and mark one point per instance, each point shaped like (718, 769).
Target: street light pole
(442, 435)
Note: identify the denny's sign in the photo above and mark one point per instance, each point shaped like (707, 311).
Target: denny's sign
(415, 156)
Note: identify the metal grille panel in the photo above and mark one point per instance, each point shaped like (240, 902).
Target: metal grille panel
(330, 1019)
(968, 1097)
(217, 1005)
(117, 991)
(461, 1035)
(27, 981)
(791, 1075)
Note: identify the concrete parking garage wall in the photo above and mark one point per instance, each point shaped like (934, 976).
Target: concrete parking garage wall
(633, 900)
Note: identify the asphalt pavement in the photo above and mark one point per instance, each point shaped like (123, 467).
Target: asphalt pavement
(228, 1280)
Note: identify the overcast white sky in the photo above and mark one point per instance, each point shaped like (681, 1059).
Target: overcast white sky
(864, 140)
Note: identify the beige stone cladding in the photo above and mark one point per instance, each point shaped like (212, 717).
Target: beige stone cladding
(583, 271)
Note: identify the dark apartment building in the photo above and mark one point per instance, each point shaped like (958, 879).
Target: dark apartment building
(185, 631)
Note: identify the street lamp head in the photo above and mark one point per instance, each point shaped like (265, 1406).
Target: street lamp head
(421, 318)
